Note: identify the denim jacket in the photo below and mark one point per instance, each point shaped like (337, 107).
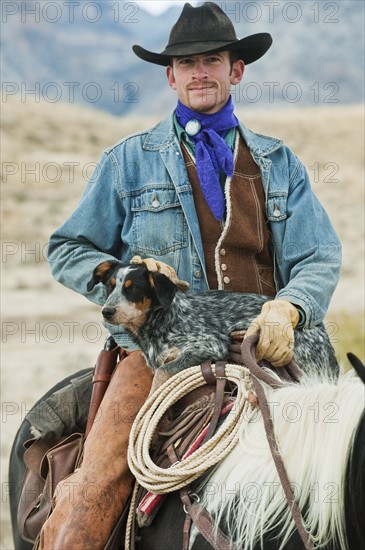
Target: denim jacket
(139, 201)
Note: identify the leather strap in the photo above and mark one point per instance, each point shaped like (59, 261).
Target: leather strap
(192, 428)
(220, 380)
(186, 532)
(104, 367)
(248, 356)
(205, 525)
(207, 372)
(202, 519)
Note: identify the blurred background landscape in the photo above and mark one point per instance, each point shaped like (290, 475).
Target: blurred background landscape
(81, 52)
(71, 87)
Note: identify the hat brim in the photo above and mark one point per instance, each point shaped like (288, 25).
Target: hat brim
(250, 48)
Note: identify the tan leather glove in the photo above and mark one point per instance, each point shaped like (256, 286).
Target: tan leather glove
(275, 324)
(160, 267)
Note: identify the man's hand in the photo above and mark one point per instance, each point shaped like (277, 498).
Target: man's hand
(275, 325)
(160, 267)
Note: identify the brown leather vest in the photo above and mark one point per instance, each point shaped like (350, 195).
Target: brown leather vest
(236, 251)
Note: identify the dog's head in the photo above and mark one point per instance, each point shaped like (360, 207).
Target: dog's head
(133, 293)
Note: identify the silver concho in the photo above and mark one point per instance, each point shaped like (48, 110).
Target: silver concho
(193, 127)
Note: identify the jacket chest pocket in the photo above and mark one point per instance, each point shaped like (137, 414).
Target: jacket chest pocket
(159, 225)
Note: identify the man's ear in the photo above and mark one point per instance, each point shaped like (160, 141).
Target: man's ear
(102, 272)
(165, 289)
(238, 68)
(171, 77)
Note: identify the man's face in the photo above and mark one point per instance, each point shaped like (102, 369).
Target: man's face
(203, 82)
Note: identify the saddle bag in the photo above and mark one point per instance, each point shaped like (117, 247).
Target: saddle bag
(49, 461)
(46, 466)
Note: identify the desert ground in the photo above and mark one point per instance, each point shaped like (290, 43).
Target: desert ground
(48, 153)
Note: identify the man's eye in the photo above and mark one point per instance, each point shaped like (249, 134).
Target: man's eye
(186, 61)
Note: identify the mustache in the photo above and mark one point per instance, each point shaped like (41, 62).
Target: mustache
(207, 89)
(201, 86)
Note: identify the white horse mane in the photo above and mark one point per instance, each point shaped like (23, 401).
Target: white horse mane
(314, 423)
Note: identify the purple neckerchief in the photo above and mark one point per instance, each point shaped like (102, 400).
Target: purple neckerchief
(212, 152)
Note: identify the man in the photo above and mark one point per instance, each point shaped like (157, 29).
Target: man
(202, 195)
(166, 194)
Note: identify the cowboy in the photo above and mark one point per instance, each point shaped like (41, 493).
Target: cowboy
(204, 199)
(226, 208)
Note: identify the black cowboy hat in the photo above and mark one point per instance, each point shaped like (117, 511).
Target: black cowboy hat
(206, 29)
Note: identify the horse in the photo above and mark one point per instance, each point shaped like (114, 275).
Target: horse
(319, 424)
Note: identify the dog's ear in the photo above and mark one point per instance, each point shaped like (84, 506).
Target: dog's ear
(165, 289)
(102, 273)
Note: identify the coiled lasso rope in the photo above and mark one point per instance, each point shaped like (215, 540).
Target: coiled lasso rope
(160, 480)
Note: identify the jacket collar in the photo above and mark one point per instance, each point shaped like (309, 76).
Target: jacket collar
(259, 144)
(162, 135)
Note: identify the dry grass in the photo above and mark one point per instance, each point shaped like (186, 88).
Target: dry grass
(347, 334)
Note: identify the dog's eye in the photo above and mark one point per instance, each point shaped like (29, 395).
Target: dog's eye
(110, 285)
(128, 285)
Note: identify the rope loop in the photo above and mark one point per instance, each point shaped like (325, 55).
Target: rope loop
(161, 480)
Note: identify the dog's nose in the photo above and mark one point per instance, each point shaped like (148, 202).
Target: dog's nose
(108, 312)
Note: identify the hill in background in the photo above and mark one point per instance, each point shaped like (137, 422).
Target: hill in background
(80, 52)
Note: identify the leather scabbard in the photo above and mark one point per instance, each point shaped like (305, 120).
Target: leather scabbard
(103, 370)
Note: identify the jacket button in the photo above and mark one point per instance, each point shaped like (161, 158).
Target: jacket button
(226, 280)
(198, 273)
(223, 267)
(155, 202)
(222, 252)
